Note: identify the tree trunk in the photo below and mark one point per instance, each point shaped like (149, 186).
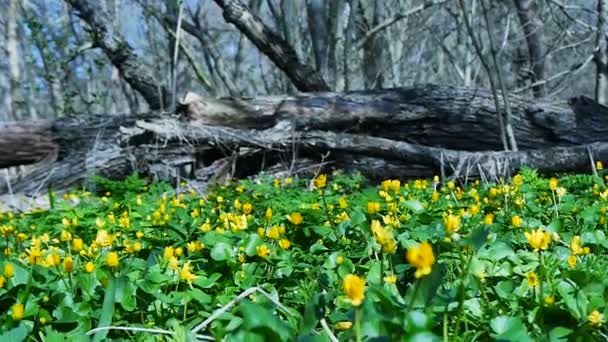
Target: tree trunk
(601, 53)
(416, 131)
(534, 39)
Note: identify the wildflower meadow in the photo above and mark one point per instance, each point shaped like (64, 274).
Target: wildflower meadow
(329, 258)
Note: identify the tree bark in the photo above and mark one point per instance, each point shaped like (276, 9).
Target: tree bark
(601, 53)
(121, 54)
(416, 131)
(533, 33)
(303, 76)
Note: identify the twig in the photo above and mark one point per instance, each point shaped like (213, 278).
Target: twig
(217, 313)
(592, 161)
(388, 22)
(135, 329)
(327, 330)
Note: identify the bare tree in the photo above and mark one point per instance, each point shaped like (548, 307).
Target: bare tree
(601, 53)
(531, 27)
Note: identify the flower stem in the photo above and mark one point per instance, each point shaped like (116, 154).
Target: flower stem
(381, 267)
(411, 304)
(461, 293)
(358, 324)
(555, 204)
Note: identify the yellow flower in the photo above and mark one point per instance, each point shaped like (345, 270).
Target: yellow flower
(339, 259)
(532, 279)
(263, 251)
(595, 318)
(273, 233)
(575, 245)
(451, 223)
(268, 214)
(103, 239)
(168, 252)
(550, 299)
(205, 227)
(422, 258)
(572, 261)
(68, 264)
(65, 235)
(343, 203)
(320, 181)
(354, 288)
(344, 325)
(553, 184)
(516, 221)
(9, 270)
(99, 222)
(488, 219)
(474, 209)
(139, 234)
(89, 267)
(586, 250)
(395, 185)
(179, 251)
(173, 263)
(77, 244)
(52, 259)
(599, 166)
(17, 311)
(112, 260)
(2, 281)
(538, 239)
(284, 243)
(186, 275)
(295, 218)
(517, 180)
(373, 207)
(21, 237)
(34, 255)
(247, 207)
(390, 279)
(435, 196)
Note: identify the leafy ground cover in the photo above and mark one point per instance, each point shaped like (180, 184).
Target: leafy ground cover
(336, 258)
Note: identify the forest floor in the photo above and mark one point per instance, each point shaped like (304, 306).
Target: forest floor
(334, 258)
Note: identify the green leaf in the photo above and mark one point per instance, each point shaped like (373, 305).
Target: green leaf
(559, 334)
(504, 289)
(207, 282)
(16, 334)
(510, 329)
(222, 251)
(254, 240)
(415, 206)
(107, 309)
(417, 321)
(426, 336)
(258, 319)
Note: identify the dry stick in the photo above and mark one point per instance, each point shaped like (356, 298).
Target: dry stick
(390, 21)
(573, 70)
(592, 161)
(331, 336)
(501, 83)
(8, 182)
(482, 175)
(466, 176)
(486, 66)
(217, 313)
(442, 169)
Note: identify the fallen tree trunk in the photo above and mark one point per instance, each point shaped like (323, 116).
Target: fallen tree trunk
(416, 131)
